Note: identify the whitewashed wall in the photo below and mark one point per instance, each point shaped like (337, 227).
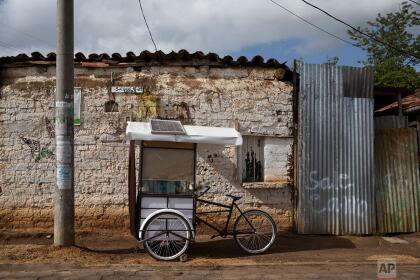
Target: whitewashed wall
(248, 98)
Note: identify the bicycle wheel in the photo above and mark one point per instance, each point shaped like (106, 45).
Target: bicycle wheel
(254, 231)
(166, 236)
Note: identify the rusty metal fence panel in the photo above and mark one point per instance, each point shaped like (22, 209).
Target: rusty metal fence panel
(397, 180)
(392, 121)
(335, 150)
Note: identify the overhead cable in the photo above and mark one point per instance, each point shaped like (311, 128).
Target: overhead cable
(313, 25)
(23, 33)
(147, 25)
(364, 33)
(8, 46)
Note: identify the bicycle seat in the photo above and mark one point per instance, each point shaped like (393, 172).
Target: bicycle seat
(235, 198)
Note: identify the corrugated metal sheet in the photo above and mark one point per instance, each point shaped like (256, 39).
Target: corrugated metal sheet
(357, 82)
(335, 151)
(397, 180)
(393, 121)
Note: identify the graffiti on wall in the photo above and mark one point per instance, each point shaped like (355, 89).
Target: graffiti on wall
(44, 153)
(37, 152)
(49, 127)
(340, 195)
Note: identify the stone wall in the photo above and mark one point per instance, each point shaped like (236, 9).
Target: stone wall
(251, 99)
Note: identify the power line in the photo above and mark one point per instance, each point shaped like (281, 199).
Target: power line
(24, 33)
(8, 46)
(363, 33)
(313, 25)
(414, 2)
(145, 21)
(4, 45)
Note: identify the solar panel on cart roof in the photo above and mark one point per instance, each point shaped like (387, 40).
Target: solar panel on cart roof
(167, 127)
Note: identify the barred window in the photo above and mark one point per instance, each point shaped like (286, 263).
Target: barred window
(265, 159)
(253, 159)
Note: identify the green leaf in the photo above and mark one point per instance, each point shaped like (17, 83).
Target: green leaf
(393, 68)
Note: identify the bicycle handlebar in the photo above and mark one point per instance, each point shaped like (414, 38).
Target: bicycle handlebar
(206, 190)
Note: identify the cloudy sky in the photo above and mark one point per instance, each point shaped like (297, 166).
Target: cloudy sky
(235, 27)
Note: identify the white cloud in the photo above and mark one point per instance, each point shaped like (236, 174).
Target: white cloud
(208, 25)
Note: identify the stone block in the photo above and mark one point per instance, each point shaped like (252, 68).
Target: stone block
(85, 140)
(214, 96)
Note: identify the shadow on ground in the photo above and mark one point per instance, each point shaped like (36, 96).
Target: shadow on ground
(225, 248)
(285, 243)
(121, 244)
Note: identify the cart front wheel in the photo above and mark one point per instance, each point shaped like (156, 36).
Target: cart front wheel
(166, 236)
(254, 231)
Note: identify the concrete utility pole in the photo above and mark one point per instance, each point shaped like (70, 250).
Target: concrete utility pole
(64, 134)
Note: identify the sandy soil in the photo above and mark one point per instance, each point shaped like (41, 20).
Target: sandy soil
(105, 248)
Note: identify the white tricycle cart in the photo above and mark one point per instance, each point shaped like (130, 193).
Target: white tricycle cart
(163, 205)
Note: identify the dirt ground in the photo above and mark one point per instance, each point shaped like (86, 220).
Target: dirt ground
(30, 254)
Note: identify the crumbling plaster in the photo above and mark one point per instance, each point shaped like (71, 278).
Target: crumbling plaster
(251, 99)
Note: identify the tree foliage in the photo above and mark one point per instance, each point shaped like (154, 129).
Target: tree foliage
(393, 68)
(332, 60)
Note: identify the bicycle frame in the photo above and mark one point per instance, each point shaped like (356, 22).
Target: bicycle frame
(224, 231)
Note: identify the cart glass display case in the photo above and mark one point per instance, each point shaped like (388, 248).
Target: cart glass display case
(168, 170)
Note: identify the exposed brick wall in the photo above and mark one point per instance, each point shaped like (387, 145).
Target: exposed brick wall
(248, 98)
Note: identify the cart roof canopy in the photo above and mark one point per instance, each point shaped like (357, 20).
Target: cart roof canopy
(193, 134)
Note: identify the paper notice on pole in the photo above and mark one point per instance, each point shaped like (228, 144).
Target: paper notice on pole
(74, 108)
(62, 104)
(64, 176)
(61, 121)
(77, 104)
(63, 152)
